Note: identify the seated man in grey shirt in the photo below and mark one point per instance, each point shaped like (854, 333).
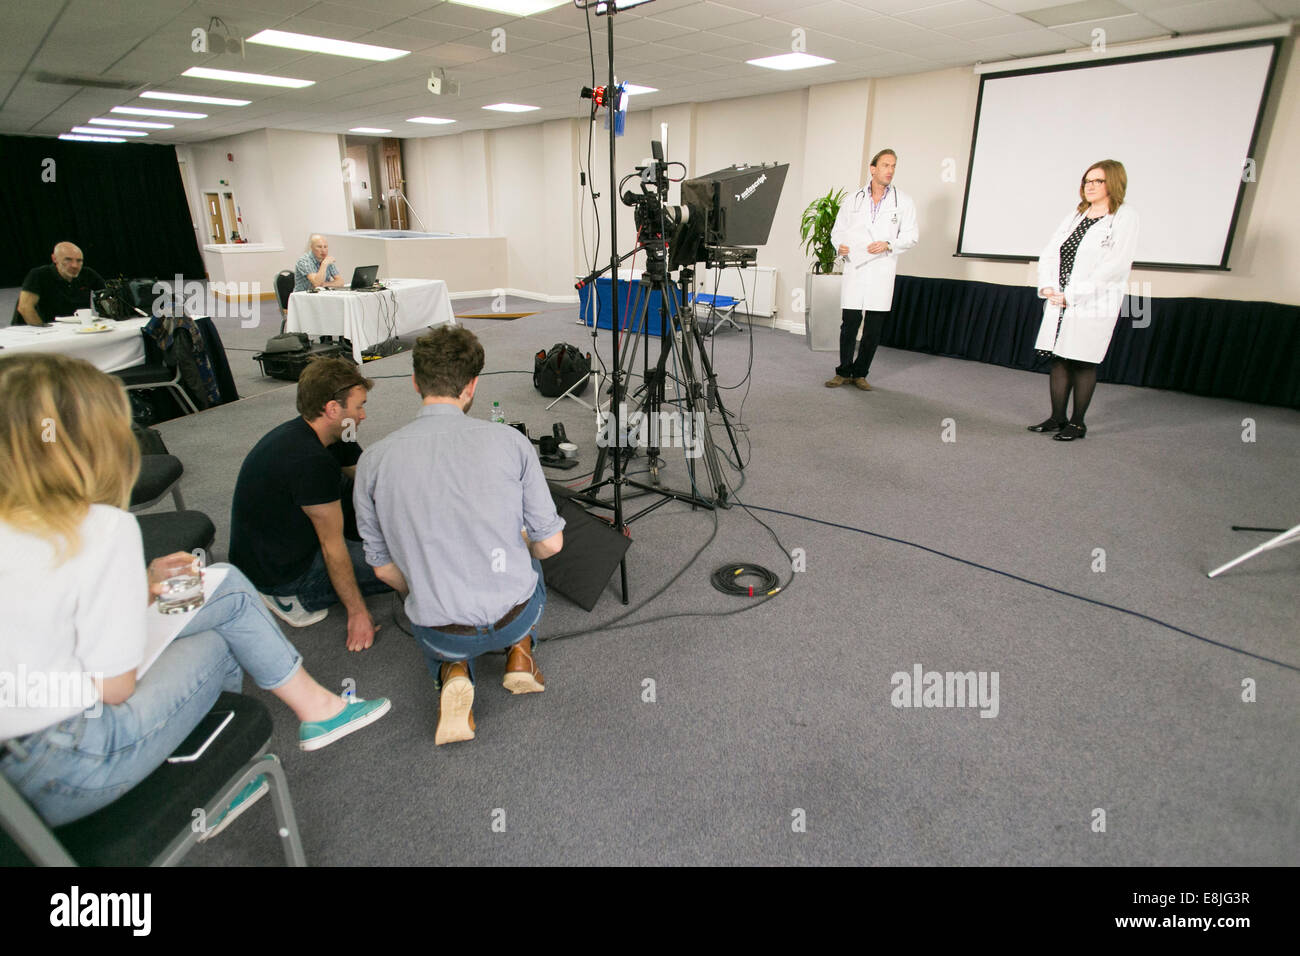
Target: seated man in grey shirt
(456, 514)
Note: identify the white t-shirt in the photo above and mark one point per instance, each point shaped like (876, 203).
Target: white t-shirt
(60, 625)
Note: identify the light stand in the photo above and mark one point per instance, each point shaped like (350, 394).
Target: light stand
(608, 9)
(1283, 539)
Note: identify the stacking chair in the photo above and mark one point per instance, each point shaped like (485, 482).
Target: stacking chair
(155, 373)
(170, 531)
(159, 474)
(284, 283)
(156, 822)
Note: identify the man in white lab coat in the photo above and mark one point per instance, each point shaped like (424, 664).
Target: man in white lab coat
(875, 225)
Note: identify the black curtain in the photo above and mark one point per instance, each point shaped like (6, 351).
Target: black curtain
(1217, 347)
(122, 203)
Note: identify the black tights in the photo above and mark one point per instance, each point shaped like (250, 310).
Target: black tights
(1068, 376)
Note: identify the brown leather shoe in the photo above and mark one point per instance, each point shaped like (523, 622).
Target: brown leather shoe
(862, 384)
(836, 382)
(456, 707)
(522, 674)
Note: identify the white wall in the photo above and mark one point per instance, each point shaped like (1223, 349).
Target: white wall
(251, 177)
(307, 186)
(522, 182)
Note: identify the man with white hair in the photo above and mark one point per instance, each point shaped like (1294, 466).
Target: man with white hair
(59, 287)
(316, 269)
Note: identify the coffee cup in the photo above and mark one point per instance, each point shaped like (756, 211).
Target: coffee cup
(568, 449)
(85, 316)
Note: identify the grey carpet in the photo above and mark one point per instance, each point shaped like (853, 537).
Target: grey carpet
(786, 708)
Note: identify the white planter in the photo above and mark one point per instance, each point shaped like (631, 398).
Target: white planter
(822, 312)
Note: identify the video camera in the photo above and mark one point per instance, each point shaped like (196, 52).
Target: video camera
(722, 216)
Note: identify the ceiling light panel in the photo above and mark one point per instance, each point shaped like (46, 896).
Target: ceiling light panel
(314, 44)
(192, 98)
(100, 121)
(234, 76)
(102, 131)
(141, 111)
(515, 8)
(790, 61)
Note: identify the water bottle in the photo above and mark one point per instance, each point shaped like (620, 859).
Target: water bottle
(498, 413)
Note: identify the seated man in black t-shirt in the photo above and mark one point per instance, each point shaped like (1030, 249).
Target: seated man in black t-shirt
(57, 288)
(293, 503)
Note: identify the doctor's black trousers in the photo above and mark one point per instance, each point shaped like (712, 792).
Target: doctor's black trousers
(849, 322)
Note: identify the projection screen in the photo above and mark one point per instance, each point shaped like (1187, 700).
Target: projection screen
(1182, 123)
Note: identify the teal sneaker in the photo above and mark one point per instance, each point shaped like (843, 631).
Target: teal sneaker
(313, 735)
(243, 800)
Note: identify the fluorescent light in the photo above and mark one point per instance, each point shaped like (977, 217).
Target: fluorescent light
(311, 44)
(790, 61)
(632, 89)
(432, 120)
(602, 8)
(98, 121)
(92, 139)
(191, 98)
(100, 131)
(518, 8)
(371, 129)
(141, 111)
(511, 108)
(234, 76)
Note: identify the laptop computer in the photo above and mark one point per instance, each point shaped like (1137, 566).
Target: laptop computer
(363, 277)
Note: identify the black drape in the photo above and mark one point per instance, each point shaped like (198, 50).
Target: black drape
(1217, 347)
(122, 203)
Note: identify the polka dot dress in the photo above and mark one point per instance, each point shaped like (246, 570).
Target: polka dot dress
(1068, 250)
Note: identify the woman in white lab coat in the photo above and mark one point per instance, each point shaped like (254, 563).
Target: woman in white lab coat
(1083, 274)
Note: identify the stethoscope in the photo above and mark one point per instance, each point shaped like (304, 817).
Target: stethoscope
(861, 195)
(1107, 238)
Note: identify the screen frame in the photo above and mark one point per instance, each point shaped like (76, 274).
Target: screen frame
(1265, 94)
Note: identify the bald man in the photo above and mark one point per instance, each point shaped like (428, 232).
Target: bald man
(316, 269)
(58, 288)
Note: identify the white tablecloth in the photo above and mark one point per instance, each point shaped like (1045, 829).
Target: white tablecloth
(118, 348)
(368, 318)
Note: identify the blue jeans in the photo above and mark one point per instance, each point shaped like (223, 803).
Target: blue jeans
(82, 764)
(440, 647)
(314, 589)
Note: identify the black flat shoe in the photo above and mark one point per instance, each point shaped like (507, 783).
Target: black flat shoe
(1051, 425)
(1070, 432)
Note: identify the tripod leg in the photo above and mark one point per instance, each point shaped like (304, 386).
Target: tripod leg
(1283, 539)
(712, 379)
(698, 413)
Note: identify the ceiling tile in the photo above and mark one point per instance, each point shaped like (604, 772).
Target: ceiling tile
(1215, 15)
(951, 14)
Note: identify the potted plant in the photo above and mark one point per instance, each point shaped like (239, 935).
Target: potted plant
(822, 284)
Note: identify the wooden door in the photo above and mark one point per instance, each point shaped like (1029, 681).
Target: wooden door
(232, 224)
(216, 228)
(392, 153)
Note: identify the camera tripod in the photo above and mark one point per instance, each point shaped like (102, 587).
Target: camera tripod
(680, 340)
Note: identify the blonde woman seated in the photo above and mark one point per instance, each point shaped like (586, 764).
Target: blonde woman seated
(75, 594)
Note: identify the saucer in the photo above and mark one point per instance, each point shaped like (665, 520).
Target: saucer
(97, 327)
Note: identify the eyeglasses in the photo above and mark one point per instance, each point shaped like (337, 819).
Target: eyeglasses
(341, 396)
(1094, 182)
